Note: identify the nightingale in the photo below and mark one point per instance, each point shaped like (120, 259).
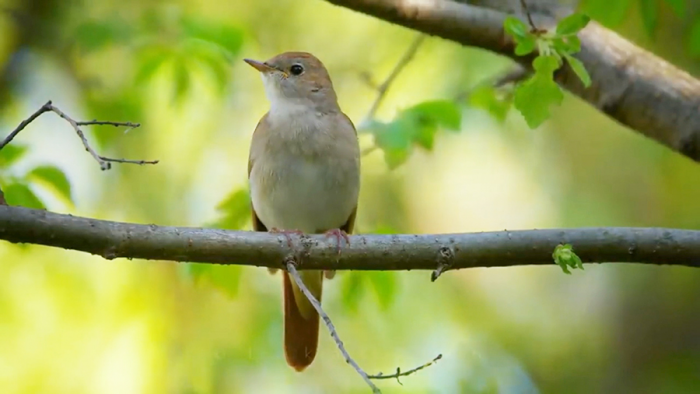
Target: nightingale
(304, 177)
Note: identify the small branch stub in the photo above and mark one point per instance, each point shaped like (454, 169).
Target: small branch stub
(445, 257)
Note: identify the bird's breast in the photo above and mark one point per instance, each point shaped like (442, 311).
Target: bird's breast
(307, 178)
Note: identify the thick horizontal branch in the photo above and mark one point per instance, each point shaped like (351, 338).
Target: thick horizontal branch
(633, 86)
(365, 252)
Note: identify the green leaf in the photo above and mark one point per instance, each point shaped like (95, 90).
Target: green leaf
(693, 42)
(150, 60)
(515, 27)
(565, 257)
(213, 60)
(228, 37)
(235, 210)
(579, 69)
(394, 139)
(525, 46)
(94, 35)
(21, 195)
(607, 12)
(10, 154)
(444, 113)
(384, 286)
(678, 7)
(534, 96)
(572, 24)
(650, 15)
(182, 78)
(352, 287)
(226, 278)
(485, 98)
(54, 178)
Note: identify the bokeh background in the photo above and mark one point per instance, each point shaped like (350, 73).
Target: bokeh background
(74, 323)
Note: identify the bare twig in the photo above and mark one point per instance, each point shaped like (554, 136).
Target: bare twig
(399, 374)
(327, 320)
(529, 17)
(103, 161)
(2, 198)
(384, 86)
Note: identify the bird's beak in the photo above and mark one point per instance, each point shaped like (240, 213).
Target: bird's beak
(260, 66)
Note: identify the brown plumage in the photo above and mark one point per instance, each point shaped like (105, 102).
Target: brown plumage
(304, 173)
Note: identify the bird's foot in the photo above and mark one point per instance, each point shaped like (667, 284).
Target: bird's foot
(286, 234)
(338, 234)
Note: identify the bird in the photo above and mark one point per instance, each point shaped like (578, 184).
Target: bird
(304, 178)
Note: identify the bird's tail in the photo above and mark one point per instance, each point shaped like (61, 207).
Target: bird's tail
(301, 321)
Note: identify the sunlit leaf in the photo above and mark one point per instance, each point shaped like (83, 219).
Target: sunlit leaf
(20, 194)
(228, 37)
(97, 34)
(150, 60)
(225, 278)
(352, 287)
(384, 285)
(10, 154)
(579, 69)
(572, 24)
(565, 257)
(678, 7)
(515, 27)
(443, 113)
(234, 210)
(525, 46)
(650, 15)
(693, 41)
(395, 140)
(54, 178)
(485, 98)
(607, 12)
(534, 96)
(182, 78)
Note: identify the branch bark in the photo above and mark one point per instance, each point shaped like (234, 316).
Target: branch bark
(365, 252)
(631, 85)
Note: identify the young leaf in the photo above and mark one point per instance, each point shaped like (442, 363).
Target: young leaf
(54, 178)
(534, 96)
(650, 15)
(384, 286)
(565, 257)
(485, 98)
(182, 77)
(609, 13)
(97, 34)
(229, 38)
(352, 288)
(693, 43)
(525, 46)
(444, 113)
(394, 139)
(225, 278)
(678, 7)
(572, 24)
(579, 69)
(235, 210)
(515, 27)
(10, 154)
(21, 195)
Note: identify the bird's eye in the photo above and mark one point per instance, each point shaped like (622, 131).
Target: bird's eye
(296, 69)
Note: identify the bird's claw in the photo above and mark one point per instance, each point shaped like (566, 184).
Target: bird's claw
(286, 234)
(338, 234)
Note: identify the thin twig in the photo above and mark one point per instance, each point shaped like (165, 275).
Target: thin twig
(399, 374)
(2, 198)
(327, 320)
(103, 161)
(529, 17)
(384, 86)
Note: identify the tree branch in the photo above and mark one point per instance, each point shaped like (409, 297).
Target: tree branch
(104, 162)
(631, 85)
(365, 252)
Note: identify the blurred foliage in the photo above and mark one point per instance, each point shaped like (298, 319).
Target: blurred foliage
(75, 323)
